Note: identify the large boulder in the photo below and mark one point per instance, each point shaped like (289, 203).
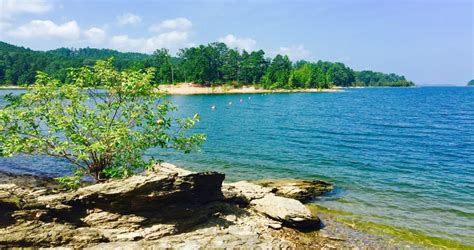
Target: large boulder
(290, 212)
(145, 206)
(151, 191)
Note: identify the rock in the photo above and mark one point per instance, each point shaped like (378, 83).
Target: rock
(167, 207)
(29, 181)
(133, 236)
(329, 247)
(35, 233)
(243, 191)
(231, 217)
(302, 190)
(275, 226)
(290, 212)
(168, 168)
(107, 220)
(159, 231)
(149, 193)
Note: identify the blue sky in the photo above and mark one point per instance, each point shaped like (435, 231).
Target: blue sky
(430, 42)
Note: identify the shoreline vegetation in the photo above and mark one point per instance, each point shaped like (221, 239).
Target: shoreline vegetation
(210, 65)
(197, 89)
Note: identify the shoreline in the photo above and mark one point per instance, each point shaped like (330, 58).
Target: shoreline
(12, 87)
(193, 89)
(333, 233)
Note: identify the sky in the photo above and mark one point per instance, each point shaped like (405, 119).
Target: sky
(428, 41)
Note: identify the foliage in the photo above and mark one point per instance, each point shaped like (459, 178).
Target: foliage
(470, 83)
(162, 61)
(278, 73)
(104, 132)
(370, 78)
(209, 65)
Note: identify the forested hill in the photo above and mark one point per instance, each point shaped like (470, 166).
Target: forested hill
(470, 83)
(212, 64)
(90, 53)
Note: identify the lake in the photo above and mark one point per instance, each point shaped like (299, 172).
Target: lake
(402, 159)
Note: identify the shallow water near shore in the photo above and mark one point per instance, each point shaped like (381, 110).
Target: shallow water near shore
(402, 159)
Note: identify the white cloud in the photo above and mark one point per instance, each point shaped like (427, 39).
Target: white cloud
(240, 43)
(129, 18)
(179, 23)
(171, 40)
(95, 35)
(47, 29)
(8, 8)
(294, 52)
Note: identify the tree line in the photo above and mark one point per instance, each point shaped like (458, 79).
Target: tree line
(209, 65)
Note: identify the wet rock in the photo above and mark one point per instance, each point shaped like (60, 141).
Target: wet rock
(29, 181)
(302, 190)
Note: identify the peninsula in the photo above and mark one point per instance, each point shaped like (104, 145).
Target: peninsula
(213, 65)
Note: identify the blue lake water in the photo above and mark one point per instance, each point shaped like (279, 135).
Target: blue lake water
(399, 157)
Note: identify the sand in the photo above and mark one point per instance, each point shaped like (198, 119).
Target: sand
(193, 89)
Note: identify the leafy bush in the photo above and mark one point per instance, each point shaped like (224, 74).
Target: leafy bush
(102, 132)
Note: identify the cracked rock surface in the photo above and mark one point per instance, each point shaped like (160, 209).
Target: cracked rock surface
(167, 207)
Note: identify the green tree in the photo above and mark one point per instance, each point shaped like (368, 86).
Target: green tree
(162, 61)
(340, 75)
(371, 78)
(254, 66)
(302, 76)
(103, 134)
(230, 69)
(278, 73)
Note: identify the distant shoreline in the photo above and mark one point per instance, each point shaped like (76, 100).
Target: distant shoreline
(193, 89)
(11, 87)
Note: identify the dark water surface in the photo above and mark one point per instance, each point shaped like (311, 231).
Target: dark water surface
(402, 159)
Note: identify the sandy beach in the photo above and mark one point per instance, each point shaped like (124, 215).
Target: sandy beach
(11, 87)
(193, 89)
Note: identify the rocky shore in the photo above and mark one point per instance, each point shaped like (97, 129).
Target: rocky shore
(169, 207)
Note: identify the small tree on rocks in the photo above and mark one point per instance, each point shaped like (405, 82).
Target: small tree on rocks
(100, 120)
